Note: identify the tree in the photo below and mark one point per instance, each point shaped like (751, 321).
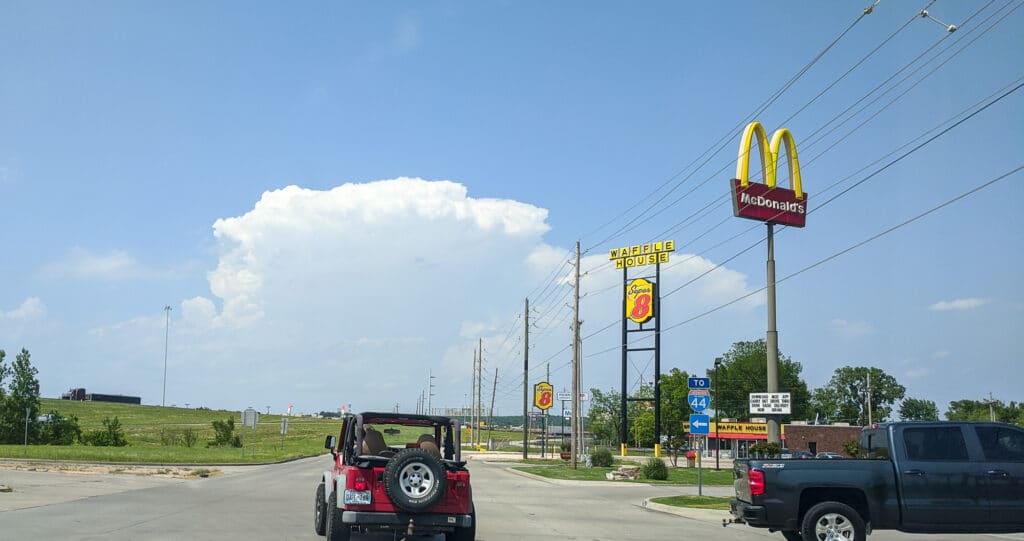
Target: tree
(4, 370)
(979, 410)
(23, 396)
(744, 371)
(845, 397)
(915, 409)
(675, 410)
(603, 418)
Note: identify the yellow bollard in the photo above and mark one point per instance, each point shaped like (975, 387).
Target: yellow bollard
(624, 450)
(657, 450)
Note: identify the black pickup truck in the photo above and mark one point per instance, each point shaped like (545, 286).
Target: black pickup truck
(934, 477)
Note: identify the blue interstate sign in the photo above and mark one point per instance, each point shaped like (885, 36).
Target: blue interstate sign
(699, 383)
(699, 401)
(700, 424)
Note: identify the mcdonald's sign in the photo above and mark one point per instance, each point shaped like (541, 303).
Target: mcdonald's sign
(767, 202)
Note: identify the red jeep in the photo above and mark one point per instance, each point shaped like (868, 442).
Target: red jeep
(396, 473)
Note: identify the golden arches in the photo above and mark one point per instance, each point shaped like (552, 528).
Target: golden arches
(769, 157)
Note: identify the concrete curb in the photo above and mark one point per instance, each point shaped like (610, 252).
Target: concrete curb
(713, 516)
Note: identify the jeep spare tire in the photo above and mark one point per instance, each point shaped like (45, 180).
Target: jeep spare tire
(415, 480)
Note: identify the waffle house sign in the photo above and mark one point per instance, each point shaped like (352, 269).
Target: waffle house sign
(642, 254)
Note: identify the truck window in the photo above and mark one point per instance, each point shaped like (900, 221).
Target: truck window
(875, 444)
(1001, 443)
(935, 443)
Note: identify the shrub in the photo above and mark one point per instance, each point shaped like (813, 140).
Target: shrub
(765, 449)
(172, 437)
(58, 430)
(110, 436)
(224, 434)
(852, 448)
(655, 468)
(601, 457)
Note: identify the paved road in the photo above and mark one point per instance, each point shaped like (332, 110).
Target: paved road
(275, 502)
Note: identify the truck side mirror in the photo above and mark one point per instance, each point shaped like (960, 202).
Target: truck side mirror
(329, 443)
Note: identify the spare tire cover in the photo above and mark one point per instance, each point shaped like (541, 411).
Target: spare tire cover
(415, 480)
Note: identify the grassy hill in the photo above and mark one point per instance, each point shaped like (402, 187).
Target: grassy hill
(157, 434)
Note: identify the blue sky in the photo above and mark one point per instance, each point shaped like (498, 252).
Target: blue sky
(337, 198)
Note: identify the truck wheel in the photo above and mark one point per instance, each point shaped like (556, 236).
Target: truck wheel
(415, 480)
(464, 534)
(833, 521)
(319, 507)
(336, 529)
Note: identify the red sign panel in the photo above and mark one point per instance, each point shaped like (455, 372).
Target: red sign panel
(776, 205)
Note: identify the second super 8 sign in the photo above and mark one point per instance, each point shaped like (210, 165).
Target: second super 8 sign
(542, 395)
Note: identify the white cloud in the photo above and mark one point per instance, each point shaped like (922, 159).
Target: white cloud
(850, 329)
(31, 309)
(374, 284)
(959, 304)
(115, 265)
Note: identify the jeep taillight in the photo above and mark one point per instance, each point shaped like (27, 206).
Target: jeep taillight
(360, 484)
(755, 478)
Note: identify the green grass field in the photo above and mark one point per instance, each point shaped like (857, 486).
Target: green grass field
(155, 435)
(676, 476)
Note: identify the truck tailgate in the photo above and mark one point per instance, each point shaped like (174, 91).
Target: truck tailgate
(740, 482)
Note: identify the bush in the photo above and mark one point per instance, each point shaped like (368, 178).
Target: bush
(224, 434)
(171, 437)
(765, 449)
(59, 430)
(111, 436)
(656, 469)
(601, 457)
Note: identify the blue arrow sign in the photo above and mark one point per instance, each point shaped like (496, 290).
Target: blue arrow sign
(700, 424)
(699, 400)
(699, 383)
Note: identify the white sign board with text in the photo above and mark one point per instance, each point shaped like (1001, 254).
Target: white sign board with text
(774, 403)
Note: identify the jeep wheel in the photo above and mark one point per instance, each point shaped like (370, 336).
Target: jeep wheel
(833, 521)
(336, 529)
(319, 506)
(415, 480)
(464, 534)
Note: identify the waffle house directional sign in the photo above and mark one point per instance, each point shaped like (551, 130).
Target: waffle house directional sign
(642, 254)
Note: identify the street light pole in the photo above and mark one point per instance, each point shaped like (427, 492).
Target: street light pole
(167, 335)
(718, 415)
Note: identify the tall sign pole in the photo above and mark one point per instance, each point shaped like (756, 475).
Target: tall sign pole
(772, 339)
(773, 205)
(640, 303)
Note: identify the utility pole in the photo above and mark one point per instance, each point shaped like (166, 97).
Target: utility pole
(991, 412)
(544, 439)
(574, 426)
(479, 381)
(490, 415)
(869, 396)
(167, 336)
(472, 406)
(526, 376)
(430, 388)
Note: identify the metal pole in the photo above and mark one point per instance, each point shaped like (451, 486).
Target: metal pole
(28, 411)
(774, 432)
(624, 426)
(167, 335)
(657, 360)
(718, 416)
(526, 375)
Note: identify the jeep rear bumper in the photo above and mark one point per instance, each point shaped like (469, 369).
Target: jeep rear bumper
(395, 521)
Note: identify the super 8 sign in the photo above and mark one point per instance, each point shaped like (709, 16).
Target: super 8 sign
(543, 395)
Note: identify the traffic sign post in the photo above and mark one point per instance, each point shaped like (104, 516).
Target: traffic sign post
(700, 424)
(699, 383)
(699, 400)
